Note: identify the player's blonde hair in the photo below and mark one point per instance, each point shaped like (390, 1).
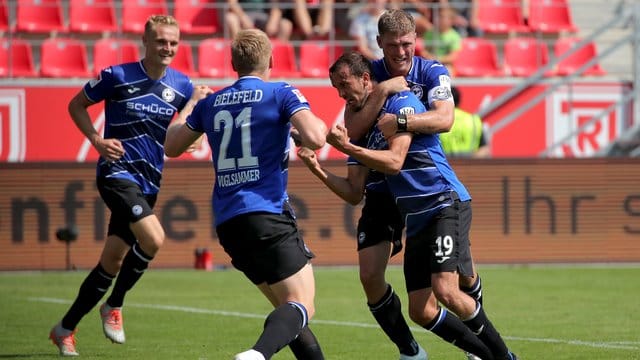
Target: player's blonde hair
(250, 52)
(396, 21)
(155, 20)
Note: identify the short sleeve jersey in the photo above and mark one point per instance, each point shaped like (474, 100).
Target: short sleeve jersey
(138, 111)
(428, 79)
(248, 127)
(426, 181)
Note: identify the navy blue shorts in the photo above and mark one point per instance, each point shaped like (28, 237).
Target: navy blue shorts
(265, 247)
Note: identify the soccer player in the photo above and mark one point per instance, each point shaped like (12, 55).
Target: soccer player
(397, 39)
(380, 226)
(140, 99)
(435, 206)
(248, 127)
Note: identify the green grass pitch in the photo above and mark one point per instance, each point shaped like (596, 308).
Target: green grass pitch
(543, 312)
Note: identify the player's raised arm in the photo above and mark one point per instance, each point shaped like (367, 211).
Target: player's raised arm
(386, 161)
(438, 119)
(180, 137)
(311, 130)
(350, 189)
(359, 122)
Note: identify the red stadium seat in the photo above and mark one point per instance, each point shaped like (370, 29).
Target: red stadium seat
(316, 57)
(477, 57)
(569, 65)
(524, 56)
(16, 58)
(136, 12)
(183, 61)
(197, 16)
(4, 16)
(108, 51)
(214, 58)
(39, 16)
(63, 57)
(92, 16)
(284, 60)
(501, 16)
(550, 16)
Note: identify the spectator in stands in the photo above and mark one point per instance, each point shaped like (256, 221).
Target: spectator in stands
(313, 18)
(344, 13)
(467, 136)
(443, 43)
(364, 29)
(466, 17)
(421, 10)
(261, 14)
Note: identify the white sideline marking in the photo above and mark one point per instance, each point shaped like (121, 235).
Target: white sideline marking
(624, 345)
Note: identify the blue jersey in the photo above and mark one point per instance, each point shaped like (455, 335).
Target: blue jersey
(428, 79)
(426, 181)
(375, 181)
(247, 125)
(138, 111)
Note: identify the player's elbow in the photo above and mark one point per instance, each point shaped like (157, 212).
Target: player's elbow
(171, 148)
(353, 199)
(393, 167)
(393, 170)
(316, 139)
(446, 126)
(171, 152)
(314, 143)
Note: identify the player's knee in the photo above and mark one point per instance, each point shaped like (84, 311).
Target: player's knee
(370, 277)
(446, 295)
(422, 313)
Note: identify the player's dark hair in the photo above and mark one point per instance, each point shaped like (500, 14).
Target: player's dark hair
(357, 63)
(456, 95)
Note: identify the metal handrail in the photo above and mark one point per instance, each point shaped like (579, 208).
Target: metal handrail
(535, 77)
(623, 15)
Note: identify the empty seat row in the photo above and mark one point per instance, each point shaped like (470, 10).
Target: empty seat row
(505, 16)
(201, 16)
(61, 57)
(523, 57)
(98, 16)
(68, 57)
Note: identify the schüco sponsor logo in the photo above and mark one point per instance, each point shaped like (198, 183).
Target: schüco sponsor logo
(151, 108)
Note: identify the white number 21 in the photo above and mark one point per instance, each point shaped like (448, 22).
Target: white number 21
(242, 121)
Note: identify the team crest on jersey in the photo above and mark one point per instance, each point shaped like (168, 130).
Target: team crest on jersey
(441, 93)
(168, 95)
(361, 237)
(417, 90)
